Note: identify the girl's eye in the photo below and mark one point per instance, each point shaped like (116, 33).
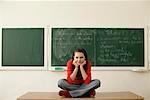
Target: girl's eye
(76, 57)
(81, 57)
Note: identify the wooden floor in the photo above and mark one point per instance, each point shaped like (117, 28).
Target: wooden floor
(99, 96)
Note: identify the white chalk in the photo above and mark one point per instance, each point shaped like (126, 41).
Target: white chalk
(139, 70)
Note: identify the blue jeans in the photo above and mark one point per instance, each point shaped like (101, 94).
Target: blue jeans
(76, 90)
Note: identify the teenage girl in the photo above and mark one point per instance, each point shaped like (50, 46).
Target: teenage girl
(78, 82)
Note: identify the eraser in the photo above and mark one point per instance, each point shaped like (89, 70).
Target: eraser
(57, 69)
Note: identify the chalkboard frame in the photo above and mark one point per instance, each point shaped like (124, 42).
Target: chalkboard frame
(113, 67)
(26, 67)
(148, 31)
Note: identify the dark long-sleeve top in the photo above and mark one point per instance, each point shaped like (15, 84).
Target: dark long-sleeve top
(78, 79)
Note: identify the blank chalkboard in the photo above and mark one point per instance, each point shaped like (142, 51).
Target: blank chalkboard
(22, 47)
(120, 47)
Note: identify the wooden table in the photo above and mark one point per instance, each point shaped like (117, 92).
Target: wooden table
(125, 95)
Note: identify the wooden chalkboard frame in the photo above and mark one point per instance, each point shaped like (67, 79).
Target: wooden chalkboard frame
(27, 67)
(145, 67)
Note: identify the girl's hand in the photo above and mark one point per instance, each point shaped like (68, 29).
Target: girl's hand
(83, 63)
(76, 63)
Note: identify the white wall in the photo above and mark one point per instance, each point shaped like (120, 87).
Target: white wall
(80, 14)
(149, 47)
(75, 13)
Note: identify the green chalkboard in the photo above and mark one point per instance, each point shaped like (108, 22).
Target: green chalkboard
(22, 47)
(105, 46)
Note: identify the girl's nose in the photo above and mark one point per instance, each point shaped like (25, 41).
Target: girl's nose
(79, 60)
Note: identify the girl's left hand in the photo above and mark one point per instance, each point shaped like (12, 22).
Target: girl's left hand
(83, 63)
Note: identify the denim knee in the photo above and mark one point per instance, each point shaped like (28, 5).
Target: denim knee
(98, 83)
(60, 82)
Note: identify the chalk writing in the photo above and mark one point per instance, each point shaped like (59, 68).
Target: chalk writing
(105, 46)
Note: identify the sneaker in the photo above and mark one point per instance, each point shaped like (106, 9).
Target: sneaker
(92, 93)
(64, 93)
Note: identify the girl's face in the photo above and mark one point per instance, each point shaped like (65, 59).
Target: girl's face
(79, 57)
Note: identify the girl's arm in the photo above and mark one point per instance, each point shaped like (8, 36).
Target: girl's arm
(74, 73)
(84, 75)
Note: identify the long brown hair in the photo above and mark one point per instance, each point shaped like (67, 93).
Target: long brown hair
(79, 76)
(80, 50)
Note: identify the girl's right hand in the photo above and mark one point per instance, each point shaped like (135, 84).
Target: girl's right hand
(76, 63)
